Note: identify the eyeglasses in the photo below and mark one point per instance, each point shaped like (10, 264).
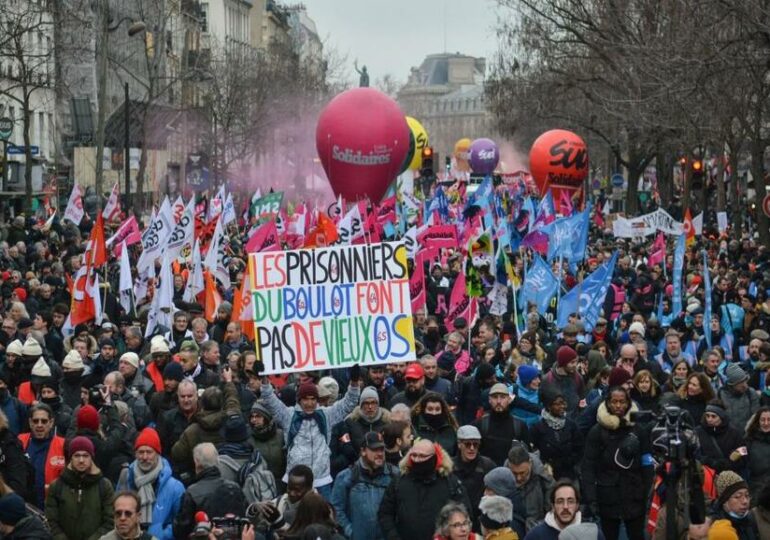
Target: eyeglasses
(38, 421)
(124, 513)
(460, 524)
(471, 444)
(565, 502)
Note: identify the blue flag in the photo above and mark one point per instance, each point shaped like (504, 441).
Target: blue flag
(707, 287)
(438, 203)
(482, 196)
(676, 301)
(567, 237)
(587, 298)
(539, 285)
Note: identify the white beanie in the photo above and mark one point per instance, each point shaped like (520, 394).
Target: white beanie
(31, 348)
(636, 327)
(41, 369)
(14, 347)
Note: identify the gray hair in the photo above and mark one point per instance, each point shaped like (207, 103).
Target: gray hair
(445, 514)
(496, 508)
(188, 382)
(401, 408)
(205, 455)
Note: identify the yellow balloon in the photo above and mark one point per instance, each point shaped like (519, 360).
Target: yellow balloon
(420, 142)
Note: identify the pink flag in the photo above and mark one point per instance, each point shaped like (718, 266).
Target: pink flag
(112, 208)
(565, 203)
(417, 287)
(387, 210)
(658, 251)
(128, 233)
(460, 305)
(265, 238)
(439, 236)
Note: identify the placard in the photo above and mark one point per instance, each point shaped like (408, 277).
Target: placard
(333, 307)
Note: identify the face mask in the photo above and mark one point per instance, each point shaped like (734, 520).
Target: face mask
(738, 516)
(72, 376)
(424, 469)
(50, 401)
(434, 420)
(433, 332)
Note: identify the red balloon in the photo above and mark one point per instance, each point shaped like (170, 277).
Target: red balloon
(559, 160)
(362, 140)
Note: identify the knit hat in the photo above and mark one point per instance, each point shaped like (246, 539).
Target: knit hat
(41, 369)
(131, 359)
(173, 372)
(581, 531)
(24, 322)
(495, 512)
(261, 410)
(148, 437)
(728, 483)
(31, 348)
(618, 377)
(51, 383)
(82, 444)
(73, 360)
(107, 342)
(236, 429)
(158, 346)
(501, 481)
(189, 345)
(718, 409)
(722, 529)
(307, 389)
(484, 372)
(734, 375)
(328, 388)
(14, 347)
(12, 509)
(565, 355)
(636, 327)
(20, 293)
(369, 393)
(527, 374)
(87, 418)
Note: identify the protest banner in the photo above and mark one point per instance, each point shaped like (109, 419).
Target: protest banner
(645, 225)
(438, 236)
(332, 307)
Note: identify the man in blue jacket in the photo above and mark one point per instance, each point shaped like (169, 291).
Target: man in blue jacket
(359, 489)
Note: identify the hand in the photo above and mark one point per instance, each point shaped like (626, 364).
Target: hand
(106, 395)
(248, 533)
(269, 511)
(735, 455)
(227, 374)
(355, 373)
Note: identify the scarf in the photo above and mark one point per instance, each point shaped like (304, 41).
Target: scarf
(299, 417)
(144, 482)
(195, 373)
(376, 417)
(554, 422)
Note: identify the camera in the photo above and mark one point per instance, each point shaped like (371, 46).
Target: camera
(673, 438)
(230, 525)
(95, 396)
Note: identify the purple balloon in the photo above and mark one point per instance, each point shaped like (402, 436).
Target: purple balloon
(484, 156)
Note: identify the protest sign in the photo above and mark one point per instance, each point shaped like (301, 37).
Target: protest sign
(265, 208)
(645, 225)
(332, 307)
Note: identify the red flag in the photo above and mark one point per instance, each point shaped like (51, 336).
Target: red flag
(689, 228)
(212, 297)
(387, 210)
(242, 310)
(324, 234)
(96, 250)
(82, 307)
(460, 305)
(417, 287)
(265, 238)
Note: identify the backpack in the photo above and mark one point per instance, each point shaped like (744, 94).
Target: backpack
(256, 480)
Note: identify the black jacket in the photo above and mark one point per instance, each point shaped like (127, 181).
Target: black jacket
(498, 431)
(471, 474)
(716, 445)
(13, 463)
(561, 449)
(29, 528)
(211, 494)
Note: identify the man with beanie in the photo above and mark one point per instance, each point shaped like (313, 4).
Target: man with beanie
(348, 436)
(527, 393)
(741, 401)
(358, 490)
(734, 504)
(160, 493)
(45, 450)
(498, 427)
(582, 531)
(495, 515)
(49, 394)
(166, 400)
(563, 377)
(470, 397)
(73, 368)
(308, 427)
(79, 502)
(410, 505)
(471, 467)
(267, 437)
(501, 481)
(210, 493)
(128, 365)
(160, 354)
(105, 363)
(414, 389)
(16, 523)
(565, 504)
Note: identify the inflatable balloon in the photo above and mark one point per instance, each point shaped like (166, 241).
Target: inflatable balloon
(484, 156)
(362, 139)
(559, 160)
(409, 154)
(420, 142)
(462, 154)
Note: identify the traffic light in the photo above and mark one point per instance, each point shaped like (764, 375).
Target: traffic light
(697, 174)
(427, 169)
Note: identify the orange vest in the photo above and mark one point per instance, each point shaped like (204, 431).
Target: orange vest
(26, 394)
(54, 461)
(155, 376)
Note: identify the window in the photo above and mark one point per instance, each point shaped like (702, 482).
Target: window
(204, 16)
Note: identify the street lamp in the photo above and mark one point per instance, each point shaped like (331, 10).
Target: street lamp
(134, 28)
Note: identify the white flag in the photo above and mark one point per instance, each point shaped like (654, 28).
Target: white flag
(214, 258)
(154, 241)
(47, 225)
(184, 232)
(140, 283)
(126, 283)
(74, 211)
(216, 204)
(95, 293)
(112, 208)
(228, 212)
(178, 208)
(162, 308)
(697, 224)
(195, 282)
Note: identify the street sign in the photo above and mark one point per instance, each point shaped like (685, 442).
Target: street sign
(766, 205)
(6, 128)
(19, 150)
(617, 180)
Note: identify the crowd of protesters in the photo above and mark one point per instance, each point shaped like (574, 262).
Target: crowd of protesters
(500, 429)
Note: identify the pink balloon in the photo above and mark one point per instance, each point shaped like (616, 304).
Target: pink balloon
(362, 140)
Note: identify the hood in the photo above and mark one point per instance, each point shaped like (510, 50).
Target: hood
(356, 415)
(444, 467)
(210, 420)
(612, 422)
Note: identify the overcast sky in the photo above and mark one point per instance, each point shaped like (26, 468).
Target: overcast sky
(394, 35)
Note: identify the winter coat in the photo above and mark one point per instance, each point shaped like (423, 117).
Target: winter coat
(616, 492)
(356, 497)
(269, 442)
(572, 387)
(740, 408)
(348, 436)
(532, 396)
(206, 427)
(410, 506)
(211, 494)
(471, 474)
(310, 445)
(762, 517)
(445, 435)
(29, 528)
(16, 413)
(747, 528)
(168, 499)
(79, 506)
(758, 446)
(547, 530)
(13, 465)
(561, 449)
(498, 431)
(716, 445)
(171, 425)
(535, 493)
